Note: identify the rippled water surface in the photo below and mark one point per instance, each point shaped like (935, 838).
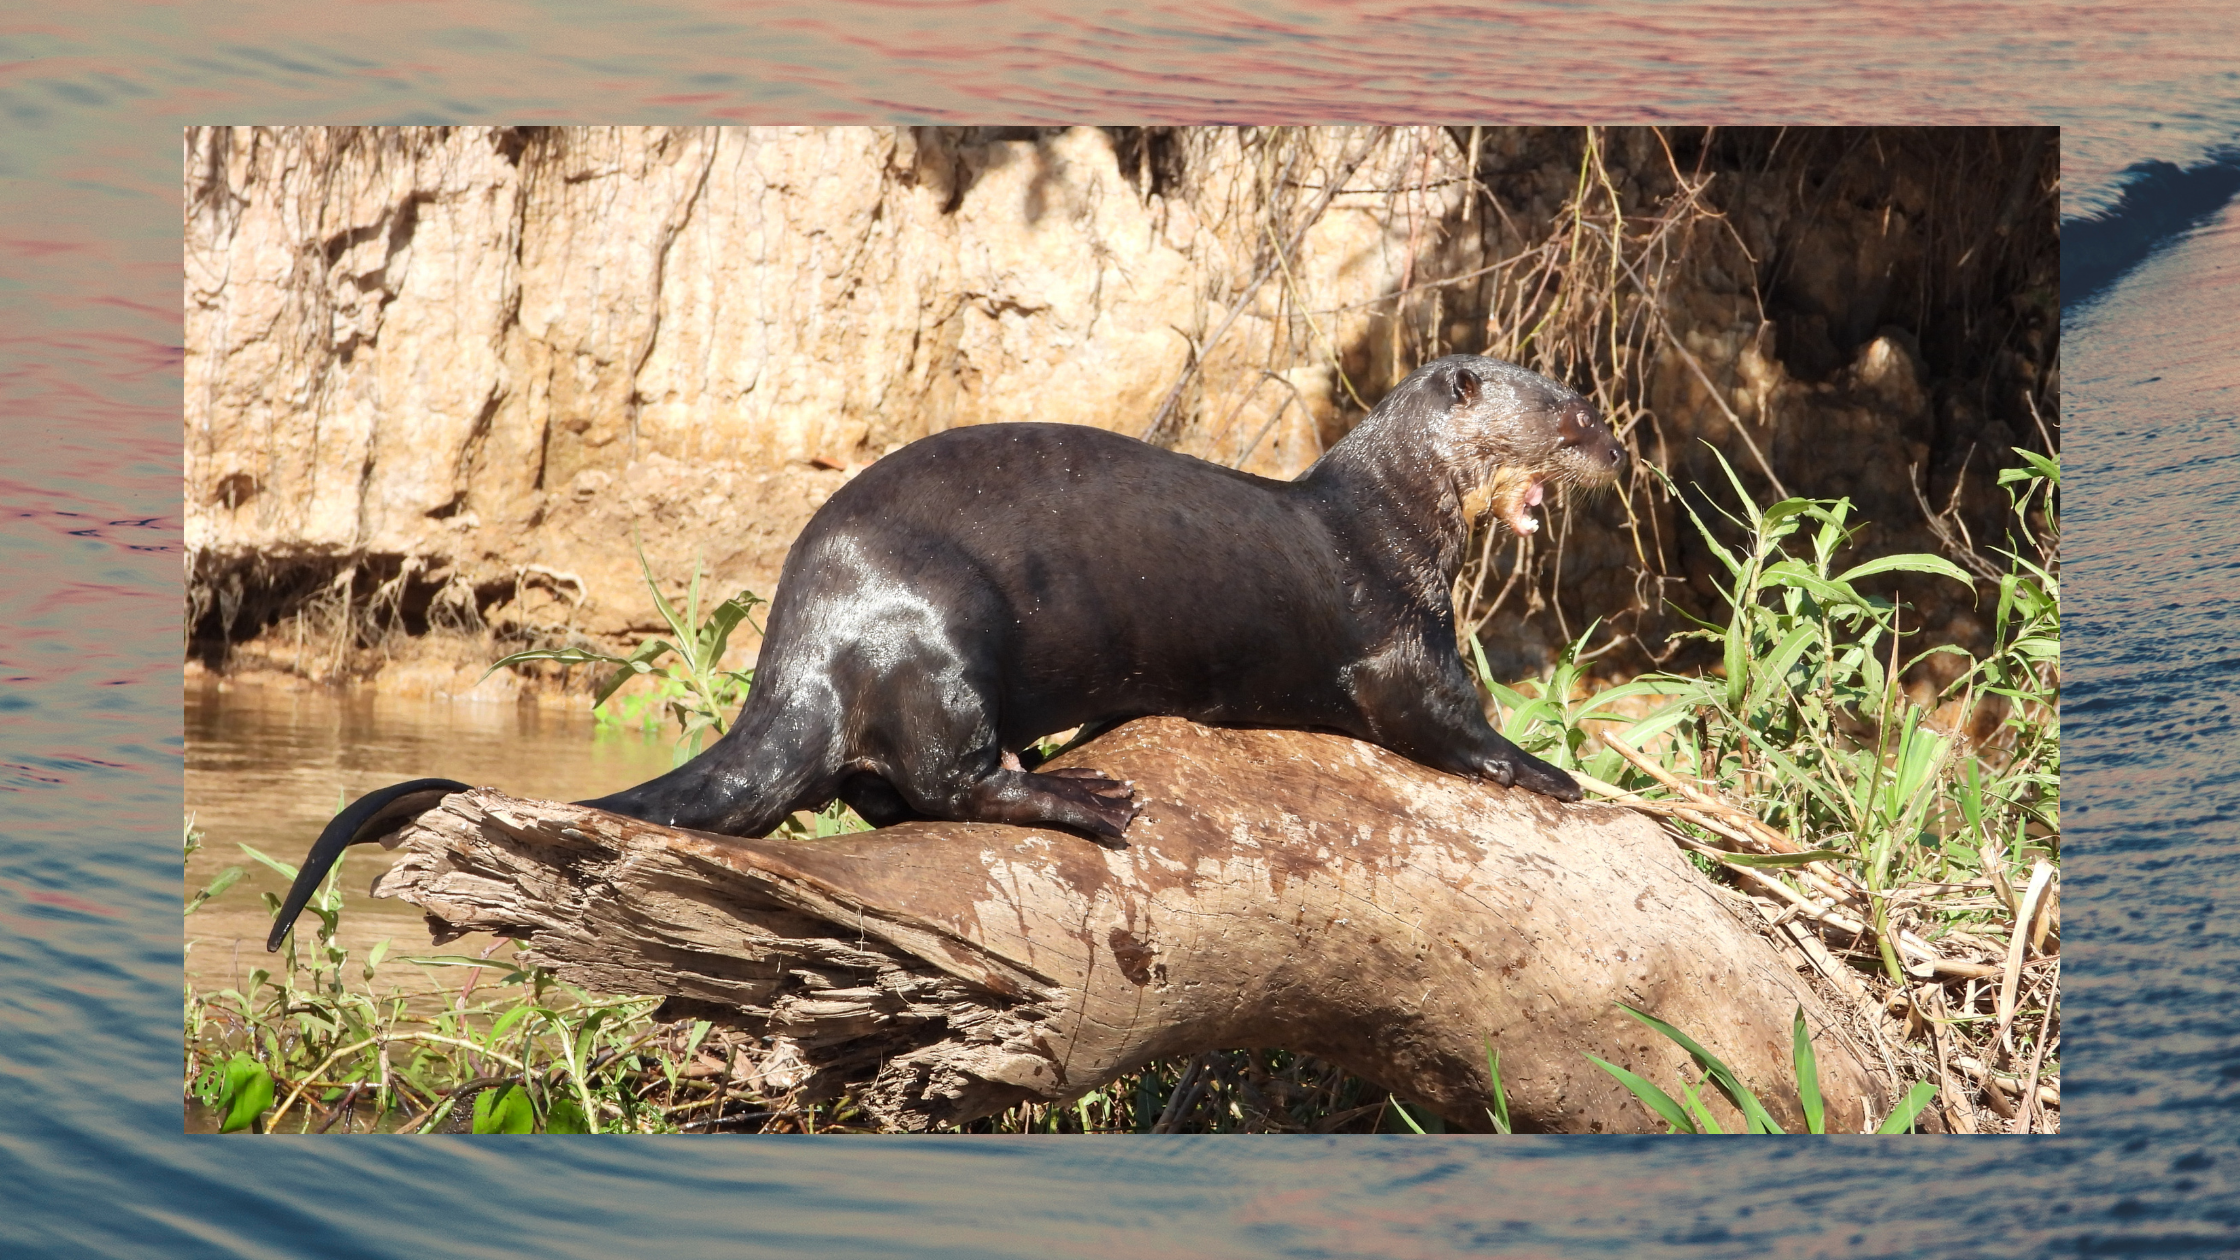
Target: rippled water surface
(2134, 62)
(2153, 648)
(91, 738)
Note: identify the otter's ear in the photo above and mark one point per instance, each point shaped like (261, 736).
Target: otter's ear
(1464, 386)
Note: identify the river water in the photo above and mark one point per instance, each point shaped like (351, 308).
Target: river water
(92, 1161)
(267, 766)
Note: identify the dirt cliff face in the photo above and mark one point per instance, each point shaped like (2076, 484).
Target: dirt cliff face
(436, 378)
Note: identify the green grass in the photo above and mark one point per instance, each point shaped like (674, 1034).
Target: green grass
(319, 1038)
(1800, 771)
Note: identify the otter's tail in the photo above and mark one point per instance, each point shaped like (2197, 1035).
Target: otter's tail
(369, 818)
(771, 762)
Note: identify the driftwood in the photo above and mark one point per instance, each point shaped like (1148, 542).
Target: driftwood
(1281, 889)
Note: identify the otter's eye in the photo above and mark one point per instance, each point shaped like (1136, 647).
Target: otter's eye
(1579, 424)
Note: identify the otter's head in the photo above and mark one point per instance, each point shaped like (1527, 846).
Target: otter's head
(1507, 434)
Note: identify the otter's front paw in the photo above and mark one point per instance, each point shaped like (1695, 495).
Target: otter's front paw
(1549, 781)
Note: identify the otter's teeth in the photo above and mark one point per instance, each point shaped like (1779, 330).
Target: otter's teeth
(1525, 522)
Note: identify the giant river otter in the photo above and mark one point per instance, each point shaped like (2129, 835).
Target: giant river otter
(987, 586)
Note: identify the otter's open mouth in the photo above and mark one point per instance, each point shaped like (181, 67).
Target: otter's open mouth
(1515, 507)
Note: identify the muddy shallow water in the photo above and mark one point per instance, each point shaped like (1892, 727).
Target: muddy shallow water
(267, 766)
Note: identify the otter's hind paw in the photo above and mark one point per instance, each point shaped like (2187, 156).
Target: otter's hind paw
(1519, 768)
(1110, 802)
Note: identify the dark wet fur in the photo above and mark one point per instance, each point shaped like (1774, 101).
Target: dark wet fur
(987, 586)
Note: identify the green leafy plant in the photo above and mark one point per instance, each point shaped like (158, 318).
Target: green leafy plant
(504, 1108)
(1804, 728)
(1806, 722)
(225, 879)
(1691, 1115)
(244, 1092)
(1499, 1112)
(695, 687)
(317, 1032)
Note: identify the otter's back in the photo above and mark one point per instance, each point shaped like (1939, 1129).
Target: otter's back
(1117, 577)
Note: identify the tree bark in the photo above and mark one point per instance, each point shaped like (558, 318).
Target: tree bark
(1280, 889)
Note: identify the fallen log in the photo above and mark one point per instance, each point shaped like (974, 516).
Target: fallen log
(1280, 889)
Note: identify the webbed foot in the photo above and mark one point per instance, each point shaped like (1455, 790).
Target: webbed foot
(1110, 802)
(1518, 768)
